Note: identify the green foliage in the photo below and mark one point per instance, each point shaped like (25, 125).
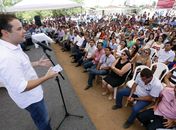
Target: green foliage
(66, 12)
(30, 14)
(10, 2)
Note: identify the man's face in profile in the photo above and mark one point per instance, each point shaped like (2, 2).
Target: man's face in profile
(16, 35)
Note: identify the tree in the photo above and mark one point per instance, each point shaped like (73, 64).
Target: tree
(9, 2)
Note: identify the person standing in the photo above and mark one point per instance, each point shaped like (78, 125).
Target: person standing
(17, 72)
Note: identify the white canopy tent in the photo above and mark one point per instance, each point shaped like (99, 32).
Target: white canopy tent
(106, 3)
(28, 5)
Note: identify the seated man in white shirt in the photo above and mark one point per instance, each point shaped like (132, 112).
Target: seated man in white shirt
(144, 90)
(166, 55)
(102, 68)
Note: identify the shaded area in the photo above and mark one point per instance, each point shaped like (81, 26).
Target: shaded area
(13, 118)
(97, 106)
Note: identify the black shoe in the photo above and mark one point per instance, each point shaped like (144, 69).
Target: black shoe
(77, 65)
(72, 55)
(115, 107)
(84, 71)
(127, 125)
(73, 61)
(87, 87)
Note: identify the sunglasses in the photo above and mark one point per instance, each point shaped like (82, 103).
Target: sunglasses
(123, 54)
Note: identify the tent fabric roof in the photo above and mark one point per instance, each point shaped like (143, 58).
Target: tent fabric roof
(105, 3)
(27, 5)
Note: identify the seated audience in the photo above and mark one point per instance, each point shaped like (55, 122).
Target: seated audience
(117, 76)
(134, 50)
(89, 53)
(102, 68)
(120, 48)
(163, 113)
(166, 55)
(159, 44)
(144, 90)
(96, 57)
(142, 59)
(149, 41)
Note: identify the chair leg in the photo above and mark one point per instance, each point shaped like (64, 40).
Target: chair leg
(115, 92)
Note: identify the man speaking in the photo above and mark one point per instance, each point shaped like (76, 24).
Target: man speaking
(17, 72)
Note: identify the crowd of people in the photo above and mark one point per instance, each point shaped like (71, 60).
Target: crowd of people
(112, 47)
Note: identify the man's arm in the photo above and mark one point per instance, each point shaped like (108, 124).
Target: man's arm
(145, 98)
(98, 66)
(133, 89)
(166, 62)
(130, 98)
(34, 83)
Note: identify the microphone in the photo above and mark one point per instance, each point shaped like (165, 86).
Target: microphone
(44, 46)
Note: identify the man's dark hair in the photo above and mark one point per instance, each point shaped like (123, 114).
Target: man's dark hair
(146, 73)
(92, 40)
(169, 42)
(4, 22)
(100, 43)
(109, 48)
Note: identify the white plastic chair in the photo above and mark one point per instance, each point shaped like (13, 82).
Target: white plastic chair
(137, 70)
(153, 54)
(126, 79)
(159, 70)
(164, 85)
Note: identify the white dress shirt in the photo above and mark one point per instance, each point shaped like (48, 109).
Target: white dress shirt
(151, 89)
(164, 56)
(15, 72)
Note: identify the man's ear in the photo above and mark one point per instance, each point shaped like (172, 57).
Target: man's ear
(4, 33)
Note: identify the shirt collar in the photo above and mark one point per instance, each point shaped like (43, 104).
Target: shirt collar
(151, 82)
(9, 45)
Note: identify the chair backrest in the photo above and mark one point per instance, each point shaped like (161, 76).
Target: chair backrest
(126, 80)
(159, 70)
(153, 54)
(138, 70)
(127, 77)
